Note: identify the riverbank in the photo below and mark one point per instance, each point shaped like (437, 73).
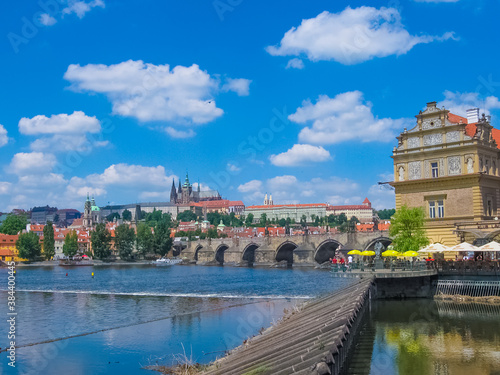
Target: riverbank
(53, 263)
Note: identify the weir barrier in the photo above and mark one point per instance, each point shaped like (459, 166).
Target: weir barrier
(314, 340)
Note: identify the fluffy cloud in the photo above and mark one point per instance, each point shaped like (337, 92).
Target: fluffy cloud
(180, 134)
(289, 189)
(232, 167)
(5, 187)
(147, 92)
(459, 103)
(250, 186)
(300, 155)
(63, 132)
(132, 176)
(32, 163)
(351, 36)
(47, 20)
(80, 8)
(240, 86)
(3, 136)
(295, 63)
(345, 117)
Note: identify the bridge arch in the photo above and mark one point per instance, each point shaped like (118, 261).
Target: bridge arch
(326, 250)
(285, 252)
(219, 253)
(386, 241)
(196, 251)
(249, 254)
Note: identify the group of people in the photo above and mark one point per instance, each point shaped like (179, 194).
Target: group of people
(341, 260)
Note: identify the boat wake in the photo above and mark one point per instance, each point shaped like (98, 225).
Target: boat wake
(158, 294)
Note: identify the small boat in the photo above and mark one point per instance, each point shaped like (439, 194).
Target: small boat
(167, 261)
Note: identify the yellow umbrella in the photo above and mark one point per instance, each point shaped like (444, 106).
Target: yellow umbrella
(411, 253)
(354, 252)
(390, 253)
(368, 253)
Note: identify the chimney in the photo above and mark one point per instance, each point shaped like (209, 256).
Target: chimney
(431, 105)
(473, 115)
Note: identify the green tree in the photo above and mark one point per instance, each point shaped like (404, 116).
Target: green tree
(70, 247)
(212, 233)
(145, 240)
(386, 214)
(249, 220)
(342, 218)
(13, 224)
(303, 221)
(124, 241)
(263, 219)
(127, 215)
(214, 218)
(407, 229)
(48, 241)
(162, 240)
(101, 241)
(282, 222)
(317, 220)
(186, 216)
(28, 245)
(111, 217)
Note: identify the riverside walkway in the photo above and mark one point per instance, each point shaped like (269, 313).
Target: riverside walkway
(314, 340)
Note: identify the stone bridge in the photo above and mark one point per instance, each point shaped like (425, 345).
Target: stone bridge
(307, 250)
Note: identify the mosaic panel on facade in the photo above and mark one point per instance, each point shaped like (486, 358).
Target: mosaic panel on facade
(454, 165)
(413, 142)
(415, 170)
(433, 139)
(453, 136)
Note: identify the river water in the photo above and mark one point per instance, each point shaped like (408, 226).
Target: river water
(128, 317)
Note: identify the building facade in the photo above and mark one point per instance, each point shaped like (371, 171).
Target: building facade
(363, 212)
(41, 215)
(448, 164)
(185, 194)
(284, 211)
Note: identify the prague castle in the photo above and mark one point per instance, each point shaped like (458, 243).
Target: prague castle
(448, 164)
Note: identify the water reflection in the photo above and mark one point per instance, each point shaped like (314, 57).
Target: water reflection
(425, 337)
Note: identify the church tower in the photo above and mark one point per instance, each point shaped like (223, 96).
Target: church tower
(173, 193)
(87, 213)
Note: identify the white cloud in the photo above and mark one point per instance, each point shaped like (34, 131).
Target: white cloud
(300, 155)
(5, 187)
(131, 176)
(147, 92)
(458, 103)
(76, 123)
(351, 36)
(3, 136)
(280, 182)
(250, 186)
(343, 118)
(63, 132)
(382, 196)
(32, 163)
(232, 167)
(47, 20)
(180, 134)
(240, 86)
(295, 63)
(80, 8)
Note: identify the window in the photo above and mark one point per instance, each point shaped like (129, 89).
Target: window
(434, 169)
(433, 213)
(440, 205)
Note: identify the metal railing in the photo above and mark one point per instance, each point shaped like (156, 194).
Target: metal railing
(468, 288)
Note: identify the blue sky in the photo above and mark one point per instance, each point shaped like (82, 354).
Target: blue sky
(298, 99)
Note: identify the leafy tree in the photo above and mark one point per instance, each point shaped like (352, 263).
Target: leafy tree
(28, 245)
(186, 216)
(263, 219)
(127, 215)
(48, 241)
(162, 240)
(70, 247)
(101, 241)
(386, 214)
(282, 222)
(214, 218)
(303, 221)
(288, 221)
(111, 217)
(13, 224)
(212, 233)
(342, 218)
(316, 220)
(313, 217)
(124, 241)
(249, 220)
(407, 229)
(145, 240)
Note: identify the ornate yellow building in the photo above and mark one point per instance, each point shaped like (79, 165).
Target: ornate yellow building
(448, 164)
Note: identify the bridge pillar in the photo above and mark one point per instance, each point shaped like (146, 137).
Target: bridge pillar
(265, 255)
(232, 256)
(205, 255)
(303, 256)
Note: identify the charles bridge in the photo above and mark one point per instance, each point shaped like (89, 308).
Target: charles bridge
(302, 250)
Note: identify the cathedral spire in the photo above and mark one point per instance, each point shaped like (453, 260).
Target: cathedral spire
(173, 193)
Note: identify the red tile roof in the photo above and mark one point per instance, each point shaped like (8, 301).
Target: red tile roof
(366, 200)
(349, 207)
(289, 205)
(470, 129)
